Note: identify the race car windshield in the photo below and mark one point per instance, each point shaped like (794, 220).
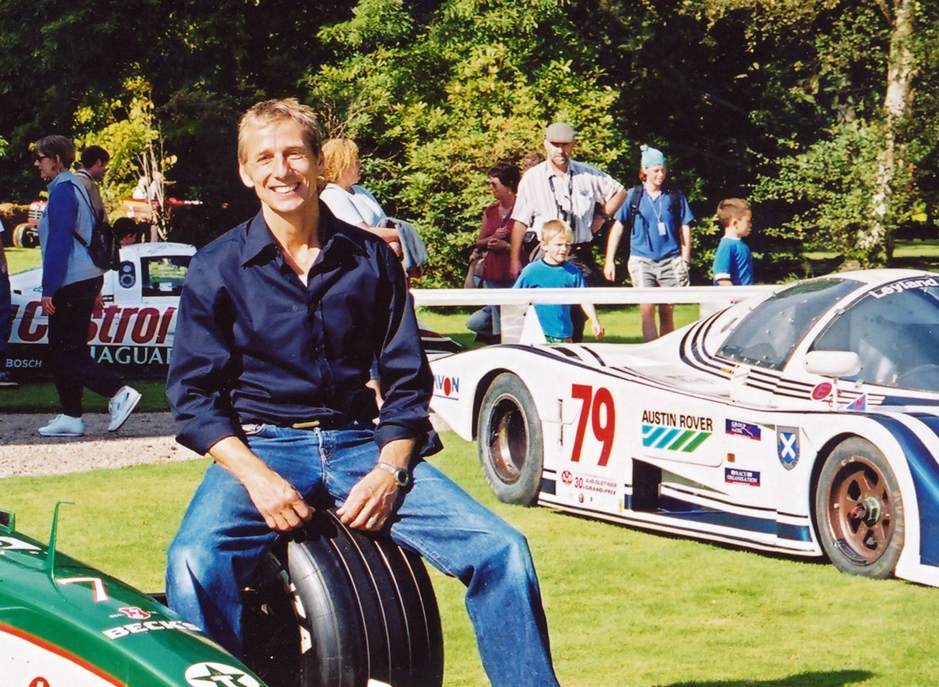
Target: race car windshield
(769, 334)
(895, 332)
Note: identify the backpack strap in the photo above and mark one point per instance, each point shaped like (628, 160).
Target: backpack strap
(84, 195)
(674, 196)
(635, 197)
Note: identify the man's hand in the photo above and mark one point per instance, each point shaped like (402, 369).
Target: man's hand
(277, 501)
(372, 499)
(281, 506)
(47, 307)
(370, 502)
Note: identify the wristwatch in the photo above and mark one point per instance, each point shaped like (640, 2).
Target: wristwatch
(402, 476)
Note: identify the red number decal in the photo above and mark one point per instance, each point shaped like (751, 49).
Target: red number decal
(600, 407)
(604, 423)
(584, 393)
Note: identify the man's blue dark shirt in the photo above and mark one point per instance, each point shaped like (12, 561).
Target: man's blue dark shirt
(254, 345)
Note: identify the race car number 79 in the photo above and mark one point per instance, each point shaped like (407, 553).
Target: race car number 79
(599, 410)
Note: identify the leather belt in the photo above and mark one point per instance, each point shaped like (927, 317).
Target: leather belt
(326, 423)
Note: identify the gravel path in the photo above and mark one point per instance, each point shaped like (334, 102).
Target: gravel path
(144, 438)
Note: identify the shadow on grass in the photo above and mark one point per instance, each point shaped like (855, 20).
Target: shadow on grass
(727, 546)
(835, 678)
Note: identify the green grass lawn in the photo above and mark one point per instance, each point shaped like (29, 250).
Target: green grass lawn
(625, 607)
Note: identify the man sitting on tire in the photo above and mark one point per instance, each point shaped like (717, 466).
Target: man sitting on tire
(279, 322)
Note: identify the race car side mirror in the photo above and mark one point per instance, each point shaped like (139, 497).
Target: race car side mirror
(833, 363)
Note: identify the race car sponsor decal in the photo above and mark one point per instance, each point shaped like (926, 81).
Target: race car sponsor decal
(904, 285)
(448, 387)
(673, 431)
(116, 325)
(750, 478)
(787, 446)
(822, 391)
(134, 613)
(218, 674)
(599, 485)
(858, 405)
(129, 629)
(742, 429)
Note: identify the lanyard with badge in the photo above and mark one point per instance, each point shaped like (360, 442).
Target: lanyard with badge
(658, 215)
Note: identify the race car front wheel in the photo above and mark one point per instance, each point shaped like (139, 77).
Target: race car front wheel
(511, 444)
(337, 607)
(859, 510)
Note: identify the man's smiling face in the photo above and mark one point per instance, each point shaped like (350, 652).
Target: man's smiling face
(280, 166)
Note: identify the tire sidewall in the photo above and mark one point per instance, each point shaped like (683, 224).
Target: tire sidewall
(524, 490)
(848, 450)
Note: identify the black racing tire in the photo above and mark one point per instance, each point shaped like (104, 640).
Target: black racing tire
(343, 607)
(511, 441)
(859, 510)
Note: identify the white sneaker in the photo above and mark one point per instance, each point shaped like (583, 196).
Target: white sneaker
(63, 426)
(121, 406)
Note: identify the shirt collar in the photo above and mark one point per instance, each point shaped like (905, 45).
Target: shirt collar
(260, 246)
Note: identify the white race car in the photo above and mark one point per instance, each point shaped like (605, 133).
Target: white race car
(133, 332)
(804, 421)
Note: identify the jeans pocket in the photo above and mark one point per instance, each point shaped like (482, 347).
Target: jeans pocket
(252, 430)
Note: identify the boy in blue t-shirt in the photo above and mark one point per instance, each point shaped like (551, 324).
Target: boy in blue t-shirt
(733, 262)
(553, 271)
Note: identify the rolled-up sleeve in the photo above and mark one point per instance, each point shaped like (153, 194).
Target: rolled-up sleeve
(406, 379)
(198, 377)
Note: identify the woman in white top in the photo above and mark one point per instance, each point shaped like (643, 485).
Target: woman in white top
(346, 199)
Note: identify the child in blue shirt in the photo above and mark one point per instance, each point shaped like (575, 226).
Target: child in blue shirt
(733, 262)
(552, 271)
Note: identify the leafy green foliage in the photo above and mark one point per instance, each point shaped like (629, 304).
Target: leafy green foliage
(442, 103)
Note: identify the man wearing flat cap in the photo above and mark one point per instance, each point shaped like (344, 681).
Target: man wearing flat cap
(561, 188)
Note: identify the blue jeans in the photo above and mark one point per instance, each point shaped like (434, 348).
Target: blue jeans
(223, 537)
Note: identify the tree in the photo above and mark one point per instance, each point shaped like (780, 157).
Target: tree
(435, 105)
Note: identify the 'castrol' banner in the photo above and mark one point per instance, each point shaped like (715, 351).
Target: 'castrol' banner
(129, 337)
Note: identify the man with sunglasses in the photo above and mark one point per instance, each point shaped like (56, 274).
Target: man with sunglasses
(561, 188)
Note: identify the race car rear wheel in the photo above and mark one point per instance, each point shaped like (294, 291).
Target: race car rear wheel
(338, 607)
(860, 510)
(511, 444)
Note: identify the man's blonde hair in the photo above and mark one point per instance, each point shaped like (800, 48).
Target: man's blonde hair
(270, 111)
(338, 155)
(732, 208)
(556, 227)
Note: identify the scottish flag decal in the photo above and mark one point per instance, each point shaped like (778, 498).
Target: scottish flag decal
(787, 446)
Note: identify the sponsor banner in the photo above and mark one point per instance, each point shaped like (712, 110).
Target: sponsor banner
(129, 629)
(747, 430)
(750, 478)
(115, 325)
(26, 360)
(674, 431)
(447, 387)
(904, 285)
